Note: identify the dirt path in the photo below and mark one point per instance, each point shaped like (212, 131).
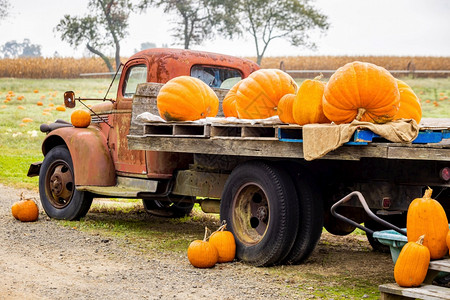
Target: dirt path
(43, 260)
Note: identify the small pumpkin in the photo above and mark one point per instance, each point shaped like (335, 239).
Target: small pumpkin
(186, 98)
(307, 108)
(25, 210)
(27, 120)
(258, 94)
(409, 103)
(427, 217)
(60, 108)
(285, 107)
(361, 91)
(229, 102)
(202, 254)
(412, 264)
(225, 244)
(80, 118)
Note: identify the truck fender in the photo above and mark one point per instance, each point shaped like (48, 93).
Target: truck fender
(92, 161)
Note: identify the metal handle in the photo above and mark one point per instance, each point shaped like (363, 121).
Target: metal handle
(367, 210)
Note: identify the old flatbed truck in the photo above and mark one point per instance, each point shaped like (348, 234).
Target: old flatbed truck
(274, 201)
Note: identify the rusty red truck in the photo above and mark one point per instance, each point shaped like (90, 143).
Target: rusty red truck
(274, 201)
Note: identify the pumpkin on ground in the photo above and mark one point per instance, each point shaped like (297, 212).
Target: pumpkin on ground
(409, 103)
(229, 102)
(80, 118)
(25, 210)
(202, 254)
(285, 107)
(412, 264)
(427, 217)
(258, 94)
(361, 91)
(186, 98)
(225, 244)
(307, 108)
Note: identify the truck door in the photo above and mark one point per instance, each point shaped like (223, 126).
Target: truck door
(125, 160)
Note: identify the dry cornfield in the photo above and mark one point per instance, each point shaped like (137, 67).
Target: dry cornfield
(73, 67)
(403, 63)
(50, 67)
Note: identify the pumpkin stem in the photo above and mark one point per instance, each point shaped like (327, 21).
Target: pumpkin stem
(223, 226)
(319, 77)
(361, 112)
(206, 233)
(428, 193)
(420, 240)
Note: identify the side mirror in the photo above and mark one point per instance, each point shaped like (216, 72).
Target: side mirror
(69, 99)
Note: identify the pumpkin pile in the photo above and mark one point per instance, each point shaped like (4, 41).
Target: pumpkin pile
(220, 248)
(25, 210)
(428, 235)
(356, 91)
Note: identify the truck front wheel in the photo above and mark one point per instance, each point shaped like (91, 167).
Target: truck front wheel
(259, 204)
(59, 197)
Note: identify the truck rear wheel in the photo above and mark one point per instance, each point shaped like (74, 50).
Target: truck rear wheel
(59, 197)
(310, 215)
(259, 204)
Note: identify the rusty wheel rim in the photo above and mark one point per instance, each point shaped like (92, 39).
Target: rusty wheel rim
(250, 213)
(59, 184)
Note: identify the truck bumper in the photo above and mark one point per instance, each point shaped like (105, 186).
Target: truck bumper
(34, 169)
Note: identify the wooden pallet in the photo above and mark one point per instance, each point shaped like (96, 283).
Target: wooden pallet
(392, 291)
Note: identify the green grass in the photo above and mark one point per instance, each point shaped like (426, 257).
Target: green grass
(20, 143)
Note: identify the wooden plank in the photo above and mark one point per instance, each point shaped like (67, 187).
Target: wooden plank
(427, 292)
(440, 265)
(423, 153)
(254, 147)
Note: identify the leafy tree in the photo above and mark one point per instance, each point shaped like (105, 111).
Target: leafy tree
(267, 20)
(13, 49)
(4, 8)
(104, 27)
(197, 20)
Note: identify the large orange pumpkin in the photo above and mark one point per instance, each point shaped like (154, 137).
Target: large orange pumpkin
(284, 108)
(258, 94)
(361, 91)
(409, 103)
(427, 217)
(412, 264)
(202, 254)
(229, 102)
(186, 98)
(307, 108)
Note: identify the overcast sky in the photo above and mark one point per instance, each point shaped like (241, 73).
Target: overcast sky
(358, 27)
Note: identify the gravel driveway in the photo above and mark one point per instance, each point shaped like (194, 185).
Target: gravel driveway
(43, 260)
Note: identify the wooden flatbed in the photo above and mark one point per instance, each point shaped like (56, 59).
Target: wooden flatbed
(283, 141)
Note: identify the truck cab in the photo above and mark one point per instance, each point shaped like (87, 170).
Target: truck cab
(83, 163)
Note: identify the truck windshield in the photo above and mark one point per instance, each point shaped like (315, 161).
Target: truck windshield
(218, 77)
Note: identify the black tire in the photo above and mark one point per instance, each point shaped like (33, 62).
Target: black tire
(259, 204)
(172, 208)
(397, 220)
(310, 215)
(59, 197)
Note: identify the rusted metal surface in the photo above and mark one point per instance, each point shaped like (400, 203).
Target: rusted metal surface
(199, 184)
(92, 162)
